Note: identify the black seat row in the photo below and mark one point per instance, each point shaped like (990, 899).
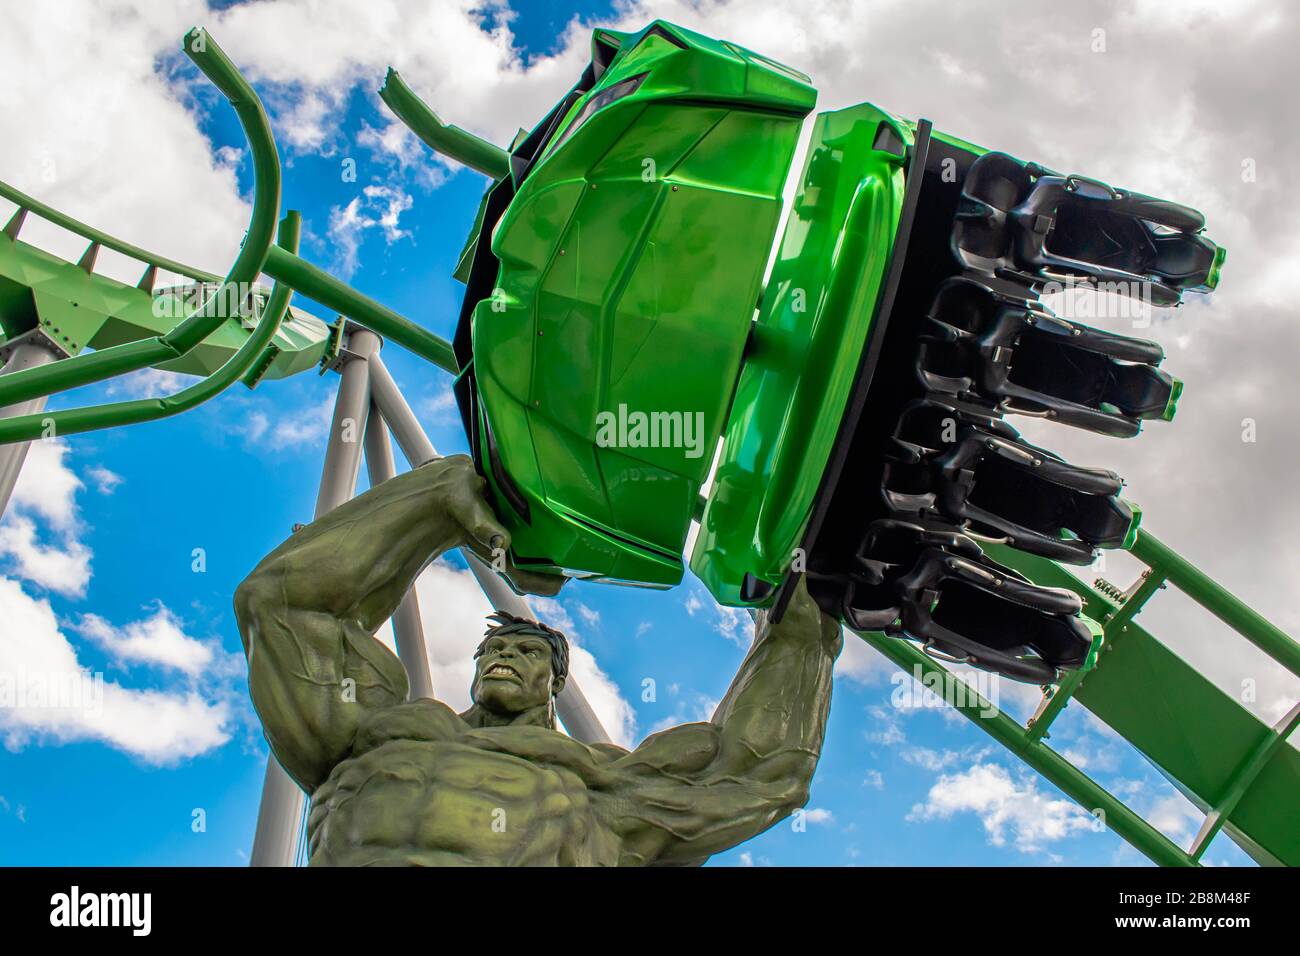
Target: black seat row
(954, 472)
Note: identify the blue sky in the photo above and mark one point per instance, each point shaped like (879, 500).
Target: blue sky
(896, 786)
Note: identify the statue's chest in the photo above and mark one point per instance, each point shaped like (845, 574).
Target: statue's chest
(438, 773)
(423, 786)
(425, 748)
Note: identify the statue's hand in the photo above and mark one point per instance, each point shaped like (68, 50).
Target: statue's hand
(457, 489)
(461, 490)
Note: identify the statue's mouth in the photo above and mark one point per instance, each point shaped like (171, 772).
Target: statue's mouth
(503, 672)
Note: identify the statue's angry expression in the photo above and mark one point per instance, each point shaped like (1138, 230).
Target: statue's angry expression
(513, 673)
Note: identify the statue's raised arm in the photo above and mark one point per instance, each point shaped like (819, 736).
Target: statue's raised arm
(308, 612)
(701, 788)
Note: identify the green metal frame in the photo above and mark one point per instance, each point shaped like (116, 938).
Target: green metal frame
(315, 283)
(487, 158)
(817, 312)
(74, 307)
(603, 266)
(90, 418)
(116, 360)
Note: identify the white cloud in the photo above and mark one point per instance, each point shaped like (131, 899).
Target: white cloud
(305, 426)
(88, 142)
(860, 662)
(469, 71)
(149, 383)
(19, 812)
(38, 664)
(46, 489)
(158, 639)
(1175, 817)
(819, 815)
(378, 207)
(928, 759)
(64, 570)
(106, 481)
(694, 708)
(291, 428)
(441, 407)
(888, 729)
(1011, 809)
(46, 693)
(46, 485)
(733, 623)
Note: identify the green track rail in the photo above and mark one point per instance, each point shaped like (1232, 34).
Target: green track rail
(1235, 768)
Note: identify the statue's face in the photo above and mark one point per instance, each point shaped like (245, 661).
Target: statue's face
(513, 674)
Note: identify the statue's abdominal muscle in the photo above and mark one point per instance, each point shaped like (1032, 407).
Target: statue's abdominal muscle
(441, 802)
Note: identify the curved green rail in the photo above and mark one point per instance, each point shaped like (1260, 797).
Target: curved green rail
(74, 420)
(478, 154)
(105, 363)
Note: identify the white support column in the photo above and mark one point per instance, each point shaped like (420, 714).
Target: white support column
(571, 705)
(408, 628)
(279, 817)
(31, 352)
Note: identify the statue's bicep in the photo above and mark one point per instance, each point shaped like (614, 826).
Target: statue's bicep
(311, 677)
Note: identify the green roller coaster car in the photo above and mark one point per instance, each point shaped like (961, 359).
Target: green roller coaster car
(625, 309)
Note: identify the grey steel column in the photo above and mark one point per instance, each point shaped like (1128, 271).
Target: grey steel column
(279, 817)
(571, 705)
(26, 354)
(408, 628)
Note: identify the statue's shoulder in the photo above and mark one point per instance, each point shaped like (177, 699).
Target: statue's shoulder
(421, 719)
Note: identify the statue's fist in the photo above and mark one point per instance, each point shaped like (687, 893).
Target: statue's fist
(460, 491)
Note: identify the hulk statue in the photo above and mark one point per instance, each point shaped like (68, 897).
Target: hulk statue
(410, 782)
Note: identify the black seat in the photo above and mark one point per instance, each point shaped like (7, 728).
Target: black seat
(938, 588)
(1024, 221)
(1017, 354)
(982, 477)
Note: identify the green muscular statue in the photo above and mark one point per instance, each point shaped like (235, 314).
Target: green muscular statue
(410, 782)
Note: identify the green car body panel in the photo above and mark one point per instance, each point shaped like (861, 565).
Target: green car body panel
(814, 321)
(631, 257)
